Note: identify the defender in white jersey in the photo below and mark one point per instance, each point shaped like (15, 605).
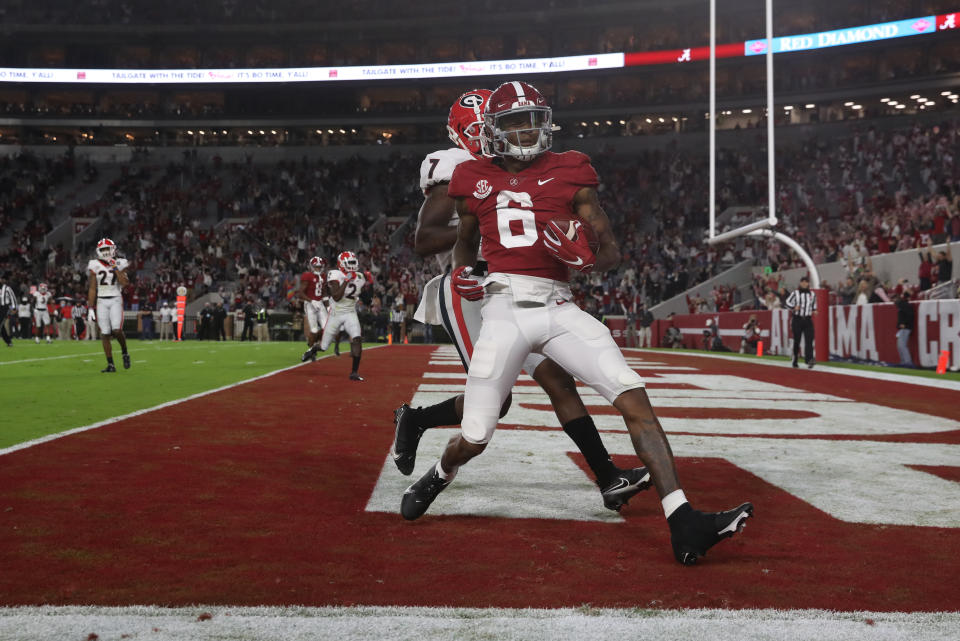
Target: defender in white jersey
(41, 311)
(344, 285)
(106, 277)
(440, 305)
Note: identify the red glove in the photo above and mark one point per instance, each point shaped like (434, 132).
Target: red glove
(465, 286)
(368, 276)
(573, 253)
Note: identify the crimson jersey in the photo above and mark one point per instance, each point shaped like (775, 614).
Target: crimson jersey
(315, 288)
(513, 209)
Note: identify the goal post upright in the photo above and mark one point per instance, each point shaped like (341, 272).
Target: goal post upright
(764, 227)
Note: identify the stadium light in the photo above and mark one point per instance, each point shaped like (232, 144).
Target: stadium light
(650, 121)
(901, 106)
(884, 100)
(946, 93)
(189, 132)
(811, 106)
(848, 103)
(858, 107)
(915, 96)
(788, 107)
(747, 111)
(623, 122)
(661, 119)
(261, 132)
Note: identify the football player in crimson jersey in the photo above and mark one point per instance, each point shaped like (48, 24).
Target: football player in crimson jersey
(435, 236)
(312, 291)
(107, 276)
(511, 201)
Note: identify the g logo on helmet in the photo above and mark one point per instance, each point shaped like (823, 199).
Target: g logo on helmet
(471, 100)
(483, 190)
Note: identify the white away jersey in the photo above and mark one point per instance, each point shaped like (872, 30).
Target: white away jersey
(355, 282)
(40, 301)
(437, 168)
(107, 281)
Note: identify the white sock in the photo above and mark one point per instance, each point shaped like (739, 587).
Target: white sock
(672, 501)
(445, 475)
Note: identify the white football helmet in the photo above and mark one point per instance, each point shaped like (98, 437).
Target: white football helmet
(347, 262)
(42, 287)
(106, 249)
(515, 108)
(318, 264)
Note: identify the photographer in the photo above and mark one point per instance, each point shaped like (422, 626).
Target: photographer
(751, 335)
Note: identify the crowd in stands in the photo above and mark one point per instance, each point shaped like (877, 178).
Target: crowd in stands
(246, 230)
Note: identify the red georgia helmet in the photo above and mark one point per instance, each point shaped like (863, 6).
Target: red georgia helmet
(317, 264)
(506, 102)
(465, 121)
(347, 262)
(106, 248)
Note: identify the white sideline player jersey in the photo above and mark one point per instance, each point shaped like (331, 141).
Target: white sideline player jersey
(41, 300)
(436, 169)
(355, 282)
(107, 281)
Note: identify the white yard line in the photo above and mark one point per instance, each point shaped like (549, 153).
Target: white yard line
(942, 383)
(467, 624)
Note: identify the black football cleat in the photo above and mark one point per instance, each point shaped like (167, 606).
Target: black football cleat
(692, 532)
(811, 363)
(419, 496)
(795, 363)
(356, 377)
(126, 361)
(406, 439)
(309, 355)
(624, 486)
(109, 368)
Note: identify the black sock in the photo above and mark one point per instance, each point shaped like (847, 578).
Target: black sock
(356, 364)
(584, 434)
(124, 351)
(109, 360)
(676, 518)
(444, 413)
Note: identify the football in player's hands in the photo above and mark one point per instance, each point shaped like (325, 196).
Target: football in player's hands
(574, 227)
(572, 242)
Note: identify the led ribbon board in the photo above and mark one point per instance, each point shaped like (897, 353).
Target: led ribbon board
(784, 44)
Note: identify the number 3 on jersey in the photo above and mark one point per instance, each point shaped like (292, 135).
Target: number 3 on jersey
(513, 234)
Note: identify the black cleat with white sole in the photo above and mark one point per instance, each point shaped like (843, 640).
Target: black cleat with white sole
(126, 361)
(309, 355)
(406, 439)
(419, 496)
(624, 486)
(692, 532)
(108, 369)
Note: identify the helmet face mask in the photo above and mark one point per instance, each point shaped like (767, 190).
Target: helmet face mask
(465, 121)
(317, 264)
(106, 249)
(347, 262)
(518, 122)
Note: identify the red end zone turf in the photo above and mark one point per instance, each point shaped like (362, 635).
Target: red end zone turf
(256, 495)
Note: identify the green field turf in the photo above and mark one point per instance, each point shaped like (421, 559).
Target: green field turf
(50, 388)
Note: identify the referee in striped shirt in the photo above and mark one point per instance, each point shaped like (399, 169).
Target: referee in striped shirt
(8, 304)
(803, 304)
